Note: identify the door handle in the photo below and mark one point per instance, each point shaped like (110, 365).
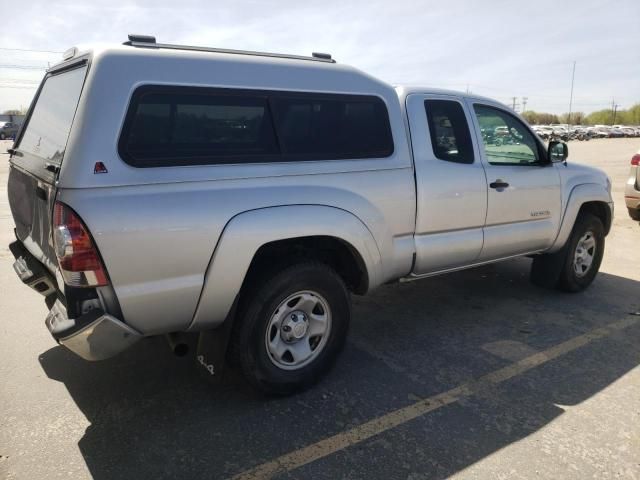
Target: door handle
(499, 184)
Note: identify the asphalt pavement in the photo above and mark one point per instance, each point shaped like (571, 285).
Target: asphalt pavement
(477, 374)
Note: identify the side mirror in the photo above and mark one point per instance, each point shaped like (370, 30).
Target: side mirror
(557, 151)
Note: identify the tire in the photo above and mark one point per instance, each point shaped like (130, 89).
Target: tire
(263, 347)
(556, 270)
(570, 280)
(634, 213)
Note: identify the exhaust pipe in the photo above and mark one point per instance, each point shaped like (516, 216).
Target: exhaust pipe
(177, 344)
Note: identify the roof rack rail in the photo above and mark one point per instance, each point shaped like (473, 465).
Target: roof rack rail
(148, 41)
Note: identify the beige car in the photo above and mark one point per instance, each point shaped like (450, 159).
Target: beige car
(632, 190)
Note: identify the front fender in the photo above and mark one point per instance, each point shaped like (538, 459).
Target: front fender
(580, 194)
(245, 233)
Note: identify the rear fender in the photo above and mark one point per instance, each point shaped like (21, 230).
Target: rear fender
(247, 232)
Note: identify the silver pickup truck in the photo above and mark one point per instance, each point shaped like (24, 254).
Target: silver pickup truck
(164, 189)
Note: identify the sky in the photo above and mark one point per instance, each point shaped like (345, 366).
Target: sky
(500, 49)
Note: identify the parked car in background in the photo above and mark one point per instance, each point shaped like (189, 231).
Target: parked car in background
(616, 133)
(632, 189)
(542, 131)
(596, 132)
(8, 130)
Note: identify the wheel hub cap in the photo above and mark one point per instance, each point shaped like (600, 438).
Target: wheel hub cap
(294, 327)
(584, 254)
(298, 330)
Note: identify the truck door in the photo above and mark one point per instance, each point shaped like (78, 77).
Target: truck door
(524, 201)
(451, 186)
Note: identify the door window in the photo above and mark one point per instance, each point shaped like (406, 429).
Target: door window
(505, 139)
(450, 137)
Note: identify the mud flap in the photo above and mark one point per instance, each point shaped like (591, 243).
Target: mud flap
(211, 352)
(546, 268)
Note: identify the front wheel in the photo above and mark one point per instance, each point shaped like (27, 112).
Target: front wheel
(574, 267)
(585, 249)
(290, 331)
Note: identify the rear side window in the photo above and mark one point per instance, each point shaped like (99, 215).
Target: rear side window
(172, 126)
(449, 131)
(330, 126)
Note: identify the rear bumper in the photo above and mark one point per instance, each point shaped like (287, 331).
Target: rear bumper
(94, 335)
(633, 202)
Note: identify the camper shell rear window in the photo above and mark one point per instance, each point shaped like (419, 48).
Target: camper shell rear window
(47, 128)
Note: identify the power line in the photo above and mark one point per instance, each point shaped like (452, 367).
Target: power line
(18, 80)
(24, 67)
(17, 87)
(28, 50)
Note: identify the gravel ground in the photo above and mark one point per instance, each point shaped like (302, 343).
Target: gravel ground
(520, 382)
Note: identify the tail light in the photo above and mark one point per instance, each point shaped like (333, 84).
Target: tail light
(635, 160)
(77, 255)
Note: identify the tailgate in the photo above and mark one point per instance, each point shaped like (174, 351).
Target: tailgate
(37, 157)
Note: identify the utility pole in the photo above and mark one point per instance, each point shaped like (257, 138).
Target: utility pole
(573, 74)
(513, 106)
(524, 104)
(614, 110)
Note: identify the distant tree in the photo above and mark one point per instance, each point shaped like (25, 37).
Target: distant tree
(539, 118)
(12, 112)
(622, 117)
(577, 118)
(630, 116)
(601, 117)
(531, 117)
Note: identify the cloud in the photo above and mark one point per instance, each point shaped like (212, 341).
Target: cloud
(499, 48)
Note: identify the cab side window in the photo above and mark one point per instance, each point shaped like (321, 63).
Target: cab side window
(450, 137)
(505, 139)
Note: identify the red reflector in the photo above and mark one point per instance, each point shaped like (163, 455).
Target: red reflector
(635, 160)
(100, 167)
(79, 261)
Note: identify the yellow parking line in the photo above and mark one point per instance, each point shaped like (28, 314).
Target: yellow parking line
(340, 441)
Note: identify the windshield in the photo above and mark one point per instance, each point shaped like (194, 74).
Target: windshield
(49, 125)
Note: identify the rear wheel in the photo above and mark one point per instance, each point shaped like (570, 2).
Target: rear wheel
(292, 328)
(634, 213)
